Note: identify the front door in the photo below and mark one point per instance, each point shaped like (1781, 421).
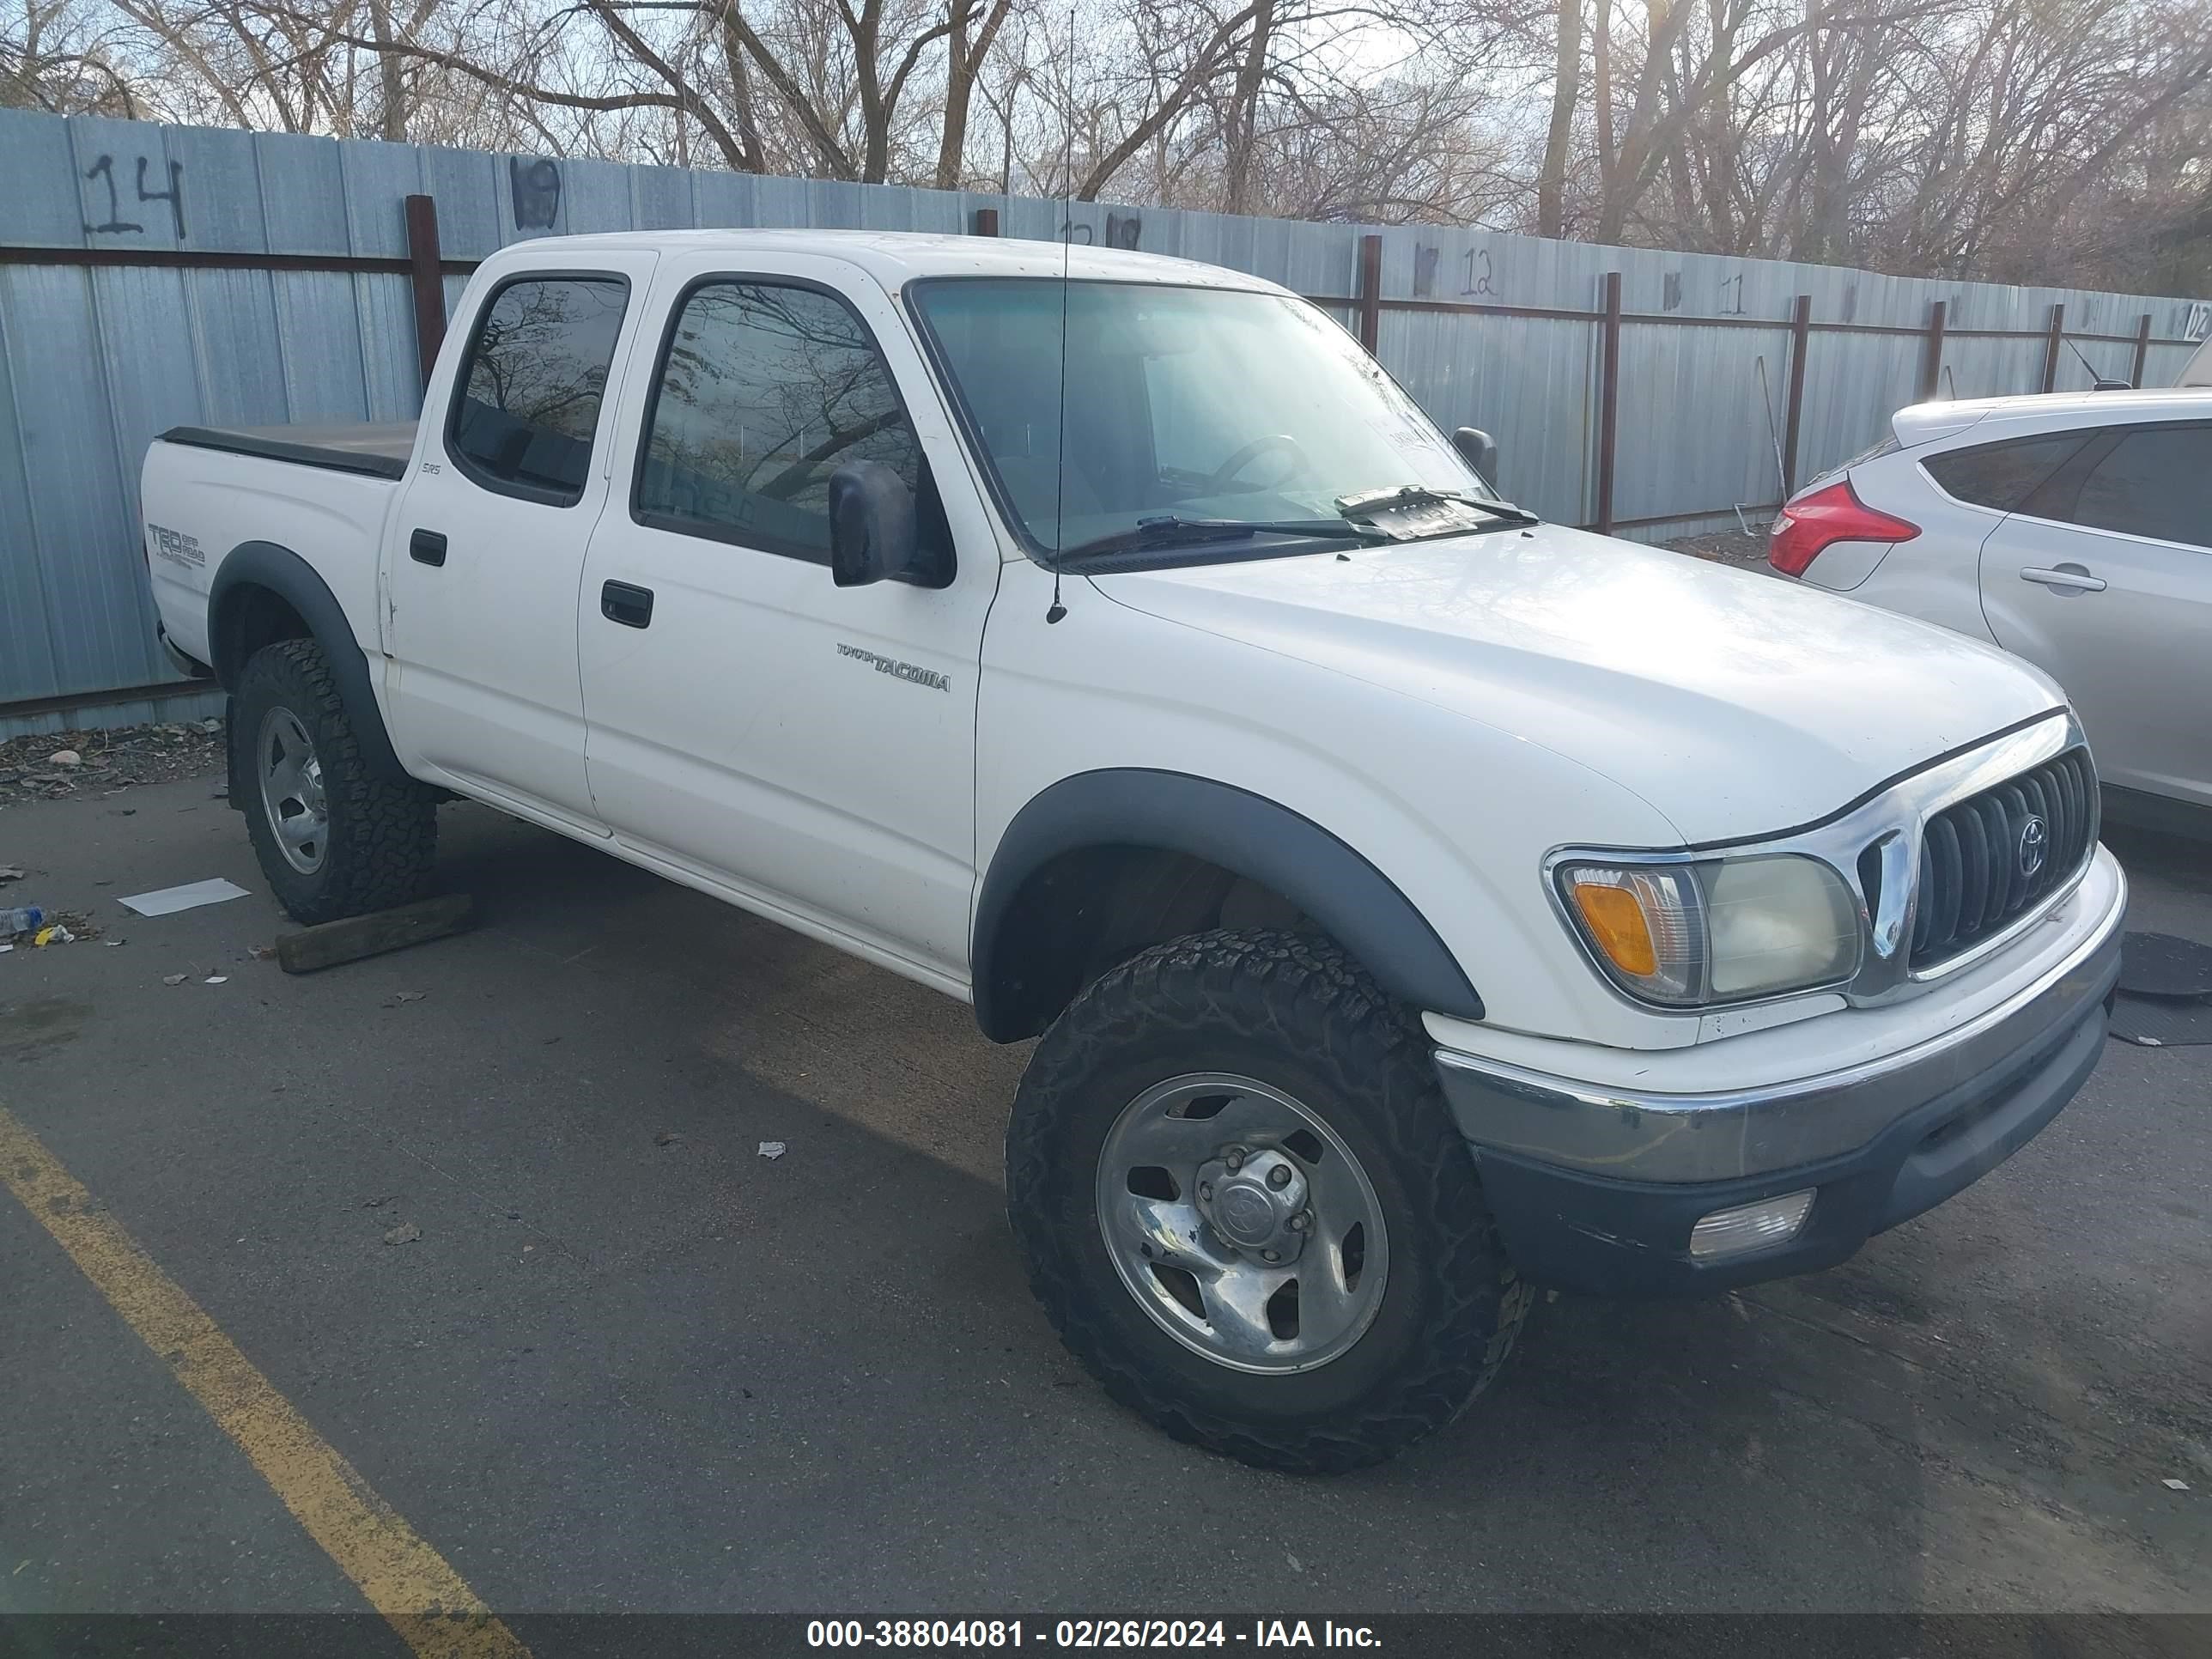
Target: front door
(2105, 581)
(489, 540)
(809, 748)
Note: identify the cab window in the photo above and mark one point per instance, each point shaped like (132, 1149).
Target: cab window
(531, 387)
(764, 390)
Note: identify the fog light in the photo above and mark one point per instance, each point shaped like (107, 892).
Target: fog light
(1750, 1226)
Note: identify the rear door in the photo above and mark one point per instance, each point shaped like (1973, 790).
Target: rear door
(2104, 578)
(488, 543)
(807, 749)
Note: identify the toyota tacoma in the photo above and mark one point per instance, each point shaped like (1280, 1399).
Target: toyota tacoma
(1414, 904)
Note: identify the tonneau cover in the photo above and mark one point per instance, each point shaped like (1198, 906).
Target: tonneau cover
(378, 448)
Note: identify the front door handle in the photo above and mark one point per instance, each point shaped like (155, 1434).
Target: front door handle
(620, 602)
(427, 547)
(2070, 578)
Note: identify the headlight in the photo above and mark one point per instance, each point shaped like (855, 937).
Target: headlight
(1722, 930)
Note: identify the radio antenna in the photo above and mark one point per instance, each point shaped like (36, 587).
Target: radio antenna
(1056, 610)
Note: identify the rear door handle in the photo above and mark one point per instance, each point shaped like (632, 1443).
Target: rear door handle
(427, 547)
(620, 602)
(2071, 577)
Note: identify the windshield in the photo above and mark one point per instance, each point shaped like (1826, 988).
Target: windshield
(1202, 403)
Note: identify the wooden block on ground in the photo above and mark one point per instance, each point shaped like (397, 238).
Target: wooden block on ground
(355, 937)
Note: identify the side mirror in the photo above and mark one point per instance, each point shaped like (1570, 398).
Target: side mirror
(2106, 384)
(872, 535)
(1478, 450)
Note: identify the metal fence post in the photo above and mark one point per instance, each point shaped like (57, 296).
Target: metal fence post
(1931, 355)
(1608, 399)
(429, 279)
(2051, 347)
(987, 222)
(1800, 337)
(2142, 351)
(1371, 292)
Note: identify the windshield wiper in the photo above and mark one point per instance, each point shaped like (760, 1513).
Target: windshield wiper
(1171, 530)
(1369, 502)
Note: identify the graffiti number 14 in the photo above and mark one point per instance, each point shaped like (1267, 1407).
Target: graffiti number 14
(104, 170)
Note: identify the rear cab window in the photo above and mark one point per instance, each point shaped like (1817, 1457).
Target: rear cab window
(526, 400)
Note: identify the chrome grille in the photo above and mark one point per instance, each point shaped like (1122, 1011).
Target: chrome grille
(1987, 860)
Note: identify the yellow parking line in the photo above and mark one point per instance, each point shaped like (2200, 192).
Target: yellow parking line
(405, 1579)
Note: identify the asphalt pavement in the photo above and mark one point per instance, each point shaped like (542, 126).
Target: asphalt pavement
(627, 1363)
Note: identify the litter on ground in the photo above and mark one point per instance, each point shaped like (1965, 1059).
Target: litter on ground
(167, 901)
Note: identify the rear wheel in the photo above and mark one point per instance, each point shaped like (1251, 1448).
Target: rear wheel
(1243, 1205)
(334, 838)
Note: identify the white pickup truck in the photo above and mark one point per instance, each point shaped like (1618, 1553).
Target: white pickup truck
(1414, 903)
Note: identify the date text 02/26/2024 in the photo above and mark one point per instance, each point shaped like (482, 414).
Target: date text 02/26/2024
(1087, 1633)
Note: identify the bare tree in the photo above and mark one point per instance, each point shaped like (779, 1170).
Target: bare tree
(58, 56)
(1566, 85)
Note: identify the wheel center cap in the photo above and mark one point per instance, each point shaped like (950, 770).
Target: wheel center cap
(1244, 1213)
(1258, 1207)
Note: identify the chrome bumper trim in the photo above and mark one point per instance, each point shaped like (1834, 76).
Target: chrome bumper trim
(1635, 1136)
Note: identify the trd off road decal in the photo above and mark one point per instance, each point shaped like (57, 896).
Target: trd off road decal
(177, 547)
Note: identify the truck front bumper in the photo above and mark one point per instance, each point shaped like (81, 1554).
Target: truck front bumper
(1598, 1189)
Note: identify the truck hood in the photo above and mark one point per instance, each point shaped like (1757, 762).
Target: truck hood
(1735, 703)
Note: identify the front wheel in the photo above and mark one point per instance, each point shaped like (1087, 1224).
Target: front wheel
(1243, 1205)
(334, 838)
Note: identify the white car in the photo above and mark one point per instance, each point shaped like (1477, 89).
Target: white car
(1414, 903)
(2075, 530)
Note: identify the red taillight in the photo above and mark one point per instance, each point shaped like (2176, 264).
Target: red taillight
(1833, 514)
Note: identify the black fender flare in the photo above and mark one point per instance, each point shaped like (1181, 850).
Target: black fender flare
(1242, 832)
(293, 580)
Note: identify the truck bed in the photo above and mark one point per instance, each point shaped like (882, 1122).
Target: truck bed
(378, 449)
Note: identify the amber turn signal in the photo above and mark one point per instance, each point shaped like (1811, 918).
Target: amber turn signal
(1618, 927)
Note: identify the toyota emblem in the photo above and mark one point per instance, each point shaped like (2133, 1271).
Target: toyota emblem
(2034, 843)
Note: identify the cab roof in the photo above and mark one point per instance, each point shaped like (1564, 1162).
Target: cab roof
(896, 258)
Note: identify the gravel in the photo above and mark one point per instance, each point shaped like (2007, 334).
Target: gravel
(107, 762)
(1725, 547)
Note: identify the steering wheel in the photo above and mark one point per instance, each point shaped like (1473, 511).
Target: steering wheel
(1226, 473)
